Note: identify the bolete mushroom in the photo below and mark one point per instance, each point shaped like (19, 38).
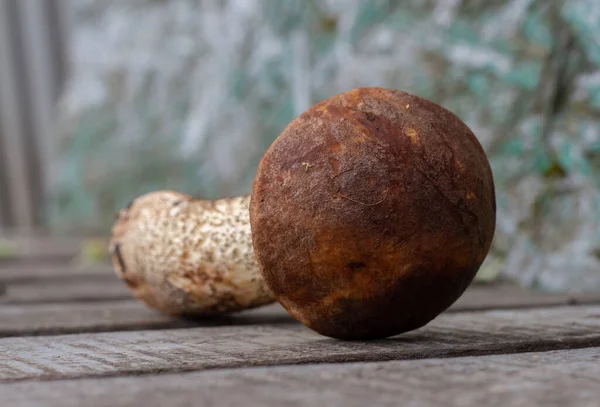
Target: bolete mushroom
(371, 213)
(187, 256)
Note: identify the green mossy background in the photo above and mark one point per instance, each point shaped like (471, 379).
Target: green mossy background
(187, 95)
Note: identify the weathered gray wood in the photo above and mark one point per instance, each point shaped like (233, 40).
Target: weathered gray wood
(36, 246)
(34, 271)
(111, 316)
(508, 296)
(39, 65)
(453, 334)
(102, 289)
(12, 133)
(31, 70)
(559, 378)
(50, 319)
(59, 16)
(5, 213)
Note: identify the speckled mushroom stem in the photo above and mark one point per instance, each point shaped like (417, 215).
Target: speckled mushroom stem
(186, 256)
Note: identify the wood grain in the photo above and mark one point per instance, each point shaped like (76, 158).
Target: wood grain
(16, 158)
(34, 246)
(111, 316)
(19, 271)
(144, 352)
(52, 319)
(56, 291)
(559, 378)
(38, 65)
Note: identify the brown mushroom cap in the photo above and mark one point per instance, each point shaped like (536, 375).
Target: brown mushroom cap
(371, 213)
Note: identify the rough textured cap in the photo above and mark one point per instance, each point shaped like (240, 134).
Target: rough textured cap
(371, 213)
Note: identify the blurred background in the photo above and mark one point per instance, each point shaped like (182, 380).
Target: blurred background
(101, 101)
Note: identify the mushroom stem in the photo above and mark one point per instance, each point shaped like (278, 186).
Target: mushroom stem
(187, 256)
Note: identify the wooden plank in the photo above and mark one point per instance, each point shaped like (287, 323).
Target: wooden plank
(59, 27)
(559, 378)
(90, 289)
(43, 271)
(38, 64)
(5, 211)
(13, 134)
(34, 247)
(509, 296)
(145, 352)
(6, 217)
(55, 319)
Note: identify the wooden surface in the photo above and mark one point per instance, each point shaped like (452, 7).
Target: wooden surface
(15, 154)
(33, 65)
(71, 335)
(558, 378)
(77, 317)
(65, 291)
(284, 342)
(30, 249)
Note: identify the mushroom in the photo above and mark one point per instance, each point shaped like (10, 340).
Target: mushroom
(371, 213)
(186, 256)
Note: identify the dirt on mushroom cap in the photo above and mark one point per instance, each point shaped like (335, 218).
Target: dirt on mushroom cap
(387, 224)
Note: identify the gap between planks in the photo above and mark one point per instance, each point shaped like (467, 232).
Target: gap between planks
(559, 378)
(151, 352)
